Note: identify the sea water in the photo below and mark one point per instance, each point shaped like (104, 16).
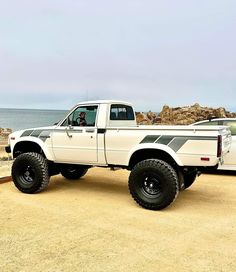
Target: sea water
(18, 119)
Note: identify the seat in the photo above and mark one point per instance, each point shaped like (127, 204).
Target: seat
(122, 115)
(113, 116)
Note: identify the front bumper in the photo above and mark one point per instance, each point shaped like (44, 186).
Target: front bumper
(8, 149)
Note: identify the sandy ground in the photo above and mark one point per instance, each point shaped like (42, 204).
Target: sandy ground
(5, 166)
(93, 224)
(2, 152)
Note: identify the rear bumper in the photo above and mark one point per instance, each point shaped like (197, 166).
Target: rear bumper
(8, 149)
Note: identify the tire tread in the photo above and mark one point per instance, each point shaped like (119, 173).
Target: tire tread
(41, 166)
(167, 170)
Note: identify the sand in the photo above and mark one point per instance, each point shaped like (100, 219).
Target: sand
(5, 166)
(93, 224)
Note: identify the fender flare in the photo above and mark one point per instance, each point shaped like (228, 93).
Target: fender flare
(157, 147)
(49, 155)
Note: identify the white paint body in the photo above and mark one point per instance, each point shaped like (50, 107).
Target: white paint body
(230, 157)
(113, 142)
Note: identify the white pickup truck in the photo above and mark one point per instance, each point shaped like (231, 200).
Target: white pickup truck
(163, 159)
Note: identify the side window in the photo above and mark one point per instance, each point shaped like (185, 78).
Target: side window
(82, 116)
(232, 126)
(121, 112)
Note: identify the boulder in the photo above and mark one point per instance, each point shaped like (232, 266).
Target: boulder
(151, 115)
(166, 111)
(182, 115)
(142, 119)
(4, 133)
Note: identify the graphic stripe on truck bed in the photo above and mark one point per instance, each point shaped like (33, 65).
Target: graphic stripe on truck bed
(174, 142)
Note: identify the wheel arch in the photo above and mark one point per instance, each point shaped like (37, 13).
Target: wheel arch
(25, 146)
(149, 152)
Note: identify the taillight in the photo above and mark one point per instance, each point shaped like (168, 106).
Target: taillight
(219, 146)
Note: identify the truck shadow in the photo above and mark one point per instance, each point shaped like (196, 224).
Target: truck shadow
(221, 172)
(93, 184)
(195, 198)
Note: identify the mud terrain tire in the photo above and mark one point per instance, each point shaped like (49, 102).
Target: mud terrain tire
(71, 171)
(30, 173)
(153, 184)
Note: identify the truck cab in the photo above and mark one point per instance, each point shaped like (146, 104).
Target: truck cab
(72, 141)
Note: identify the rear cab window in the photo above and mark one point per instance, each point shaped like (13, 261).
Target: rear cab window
(122, 113)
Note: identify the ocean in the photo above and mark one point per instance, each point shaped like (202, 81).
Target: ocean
(18, 119)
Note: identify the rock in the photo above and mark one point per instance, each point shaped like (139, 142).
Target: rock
(151, 115)
(182, 115)
(157, 120)
(4, 133)
(166, 112)
(220, 112)
(196, 105)
(142, 119)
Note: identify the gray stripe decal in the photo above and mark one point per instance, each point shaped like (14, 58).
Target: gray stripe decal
(149, 139)
(41, 134)
(26, 133)
(175, 142)
(178, 142)
(45, 134)
(164, 140)
(36, 133)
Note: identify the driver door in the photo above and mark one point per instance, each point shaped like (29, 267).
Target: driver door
(75, 141)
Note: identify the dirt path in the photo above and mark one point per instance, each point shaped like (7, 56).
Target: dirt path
(93, 225)
(5, 166)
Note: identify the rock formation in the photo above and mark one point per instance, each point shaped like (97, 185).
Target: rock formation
(182, 115)
(142, 119)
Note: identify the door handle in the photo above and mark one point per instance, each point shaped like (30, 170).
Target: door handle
(90, 130)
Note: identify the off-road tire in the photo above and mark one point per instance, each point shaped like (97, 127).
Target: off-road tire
(153, 184)
(73, 171)
(189, 179)
(30, 173)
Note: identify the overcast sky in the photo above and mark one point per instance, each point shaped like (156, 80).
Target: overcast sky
(54, 53)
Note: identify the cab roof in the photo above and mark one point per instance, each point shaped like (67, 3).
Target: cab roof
(104, 102)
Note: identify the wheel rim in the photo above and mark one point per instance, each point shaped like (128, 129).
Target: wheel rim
(27, 175)
(151, 185)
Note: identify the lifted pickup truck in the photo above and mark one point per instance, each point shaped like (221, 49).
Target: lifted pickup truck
(163, 159)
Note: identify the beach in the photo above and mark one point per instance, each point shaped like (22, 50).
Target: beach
(147, 86)
(92, 224)
(5, 162)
